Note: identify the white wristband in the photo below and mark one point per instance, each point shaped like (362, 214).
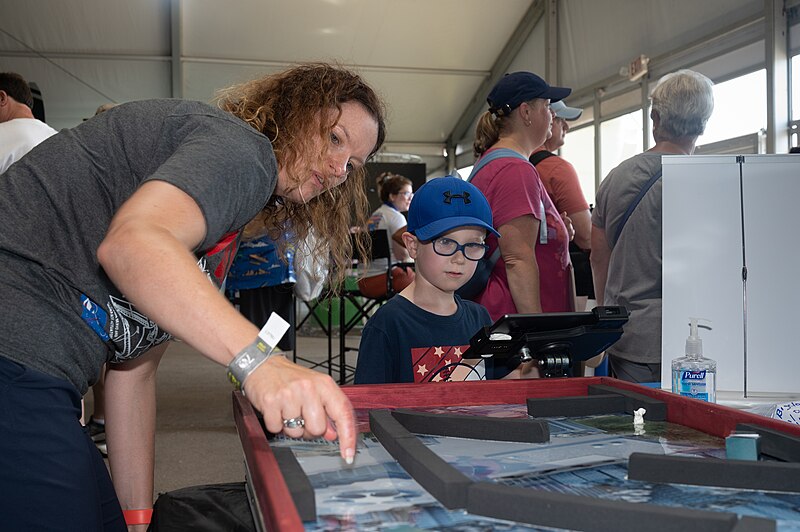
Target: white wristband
(255, 354)
(247, 361)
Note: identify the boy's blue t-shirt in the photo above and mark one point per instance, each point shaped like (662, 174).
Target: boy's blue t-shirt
(404, 343)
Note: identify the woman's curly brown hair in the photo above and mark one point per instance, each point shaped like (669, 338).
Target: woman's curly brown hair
(286, 107)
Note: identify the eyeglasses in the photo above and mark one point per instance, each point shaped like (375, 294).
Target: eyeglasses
(447, 247)
(406, 194)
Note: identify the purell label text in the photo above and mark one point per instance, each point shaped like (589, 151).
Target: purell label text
(693, 375)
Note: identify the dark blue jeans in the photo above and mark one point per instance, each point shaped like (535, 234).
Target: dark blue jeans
(52, 477)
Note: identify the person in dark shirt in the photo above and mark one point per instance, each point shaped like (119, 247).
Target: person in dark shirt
(117, 237)
(420, 334)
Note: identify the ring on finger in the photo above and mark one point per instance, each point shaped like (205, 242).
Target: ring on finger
(294, 423)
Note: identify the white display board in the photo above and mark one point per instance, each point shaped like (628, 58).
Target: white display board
(720, 214)
(771, 186)
(702, 262)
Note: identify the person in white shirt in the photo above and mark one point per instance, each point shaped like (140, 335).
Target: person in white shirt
(395, 192)
(20, 132)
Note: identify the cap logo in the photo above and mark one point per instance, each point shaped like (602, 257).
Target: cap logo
(448, 197)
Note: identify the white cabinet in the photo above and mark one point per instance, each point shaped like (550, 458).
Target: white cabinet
(723, 217)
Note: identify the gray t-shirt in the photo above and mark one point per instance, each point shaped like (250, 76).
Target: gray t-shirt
(60, 313)
(634, 270)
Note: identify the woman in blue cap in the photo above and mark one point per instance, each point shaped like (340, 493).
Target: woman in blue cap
(534, 272)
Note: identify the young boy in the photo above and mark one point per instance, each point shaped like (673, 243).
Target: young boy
(420, 334)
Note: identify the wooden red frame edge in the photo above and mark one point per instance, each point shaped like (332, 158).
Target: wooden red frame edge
(370, 396)
(270, 489)
(710, 418)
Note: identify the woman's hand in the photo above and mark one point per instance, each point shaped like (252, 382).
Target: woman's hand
(282, 390)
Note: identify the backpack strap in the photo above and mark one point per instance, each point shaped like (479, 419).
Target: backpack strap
(535, 159)
(491, 156)
(493, 258)
(498, 154)
(540, 156)
(632, 207)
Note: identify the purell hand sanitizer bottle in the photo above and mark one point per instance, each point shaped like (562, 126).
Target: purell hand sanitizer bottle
(694, 375)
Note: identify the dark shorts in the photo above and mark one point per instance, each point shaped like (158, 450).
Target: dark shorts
(52, 477)
(633, 371)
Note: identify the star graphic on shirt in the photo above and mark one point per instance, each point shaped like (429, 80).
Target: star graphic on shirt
(447, 362)
(437, 378)
(422, 369)
(457, 351)
(438, 351)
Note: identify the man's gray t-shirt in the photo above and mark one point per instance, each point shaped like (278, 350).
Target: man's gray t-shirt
(634, 269)
(60, 314)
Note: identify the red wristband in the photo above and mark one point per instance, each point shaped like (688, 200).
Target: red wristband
(137, 517)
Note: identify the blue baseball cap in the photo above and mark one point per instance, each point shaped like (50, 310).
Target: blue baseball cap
(446, 203)
(518, 87)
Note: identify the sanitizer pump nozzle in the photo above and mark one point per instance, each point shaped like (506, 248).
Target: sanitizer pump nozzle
(694, 344)
(693, 375)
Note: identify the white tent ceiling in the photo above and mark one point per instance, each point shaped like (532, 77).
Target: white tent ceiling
(432, 60)
(426, 58)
